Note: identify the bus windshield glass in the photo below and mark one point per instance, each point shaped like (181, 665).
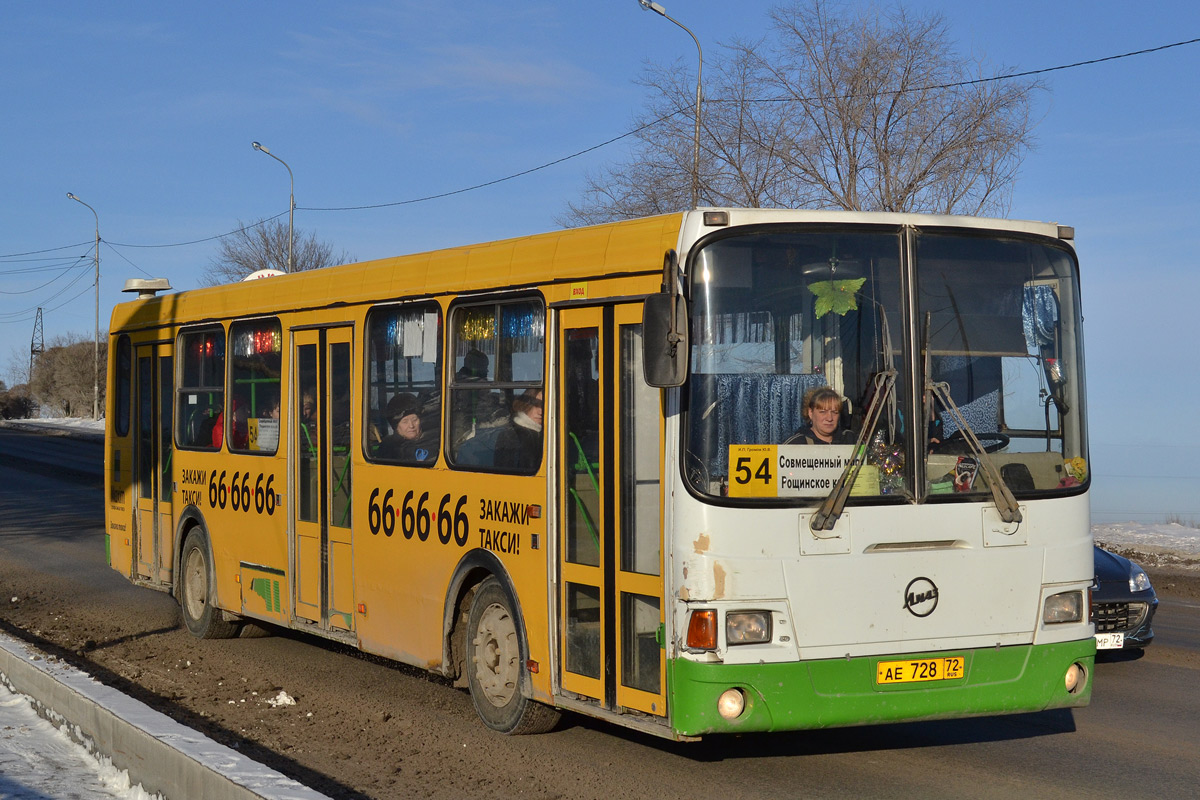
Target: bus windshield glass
(794, 333)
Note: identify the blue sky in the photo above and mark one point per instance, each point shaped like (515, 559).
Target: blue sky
(146, 111)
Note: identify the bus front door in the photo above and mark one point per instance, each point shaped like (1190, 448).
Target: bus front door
(323, 563)
(154, 541)
(610, 512)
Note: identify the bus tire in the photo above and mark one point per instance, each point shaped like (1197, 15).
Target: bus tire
(251, 630)
(197, 588)
(494, 666)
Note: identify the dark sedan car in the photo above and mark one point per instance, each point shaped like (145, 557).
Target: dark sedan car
(1123, 603)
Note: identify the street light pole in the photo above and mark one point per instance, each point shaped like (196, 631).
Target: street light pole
(662, 12)
(291, 199)
(96, 350)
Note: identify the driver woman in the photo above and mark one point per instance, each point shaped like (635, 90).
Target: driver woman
(823, 413)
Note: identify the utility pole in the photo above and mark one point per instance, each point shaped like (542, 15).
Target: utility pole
(662, 12)
(96, 354)
(291, 202)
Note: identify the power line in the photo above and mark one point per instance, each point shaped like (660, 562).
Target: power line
(46, 268)
(515, 175)
(127, 261)
(199, 241)
(639, 129)
(688, 108)
(47, 250)
(22, 315)
(47, 283)
(71, 299)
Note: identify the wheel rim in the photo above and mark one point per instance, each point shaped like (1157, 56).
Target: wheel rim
(195, 583)
(497, 655)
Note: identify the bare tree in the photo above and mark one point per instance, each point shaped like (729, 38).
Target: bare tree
(264, 245)
(63, 376)
(15, 402)
(17, 365)
(861, 110)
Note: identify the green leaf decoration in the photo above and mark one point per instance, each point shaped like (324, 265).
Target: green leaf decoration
(836, 296)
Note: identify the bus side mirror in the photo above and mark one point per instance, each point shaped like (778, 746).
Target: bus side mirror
(665, 340)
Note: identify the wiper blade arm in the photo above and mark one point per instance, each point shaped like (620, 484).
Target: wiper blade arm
(831, 509)
(1006, 504)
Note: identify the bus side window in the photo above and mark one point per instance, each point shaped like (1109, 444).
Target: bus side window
(123, 386)
(404, 402)
(201, 396)
(256, 347)
(496, 395)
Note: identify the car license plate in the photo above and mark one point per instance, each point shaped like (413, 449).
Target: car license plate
(1110, 641)
(919, 669)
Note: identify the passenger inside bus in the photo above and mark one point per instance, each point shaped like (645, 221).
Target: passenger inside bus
(823, 419)
(474, 409)
(239, 432)
(519, 444)
(405, 443)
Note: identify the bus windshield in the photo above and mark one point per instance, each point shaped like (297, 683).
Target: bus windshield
(979, 331)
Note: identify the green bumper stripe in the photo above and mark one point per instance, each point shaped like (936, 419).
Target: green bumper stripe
(839, 692)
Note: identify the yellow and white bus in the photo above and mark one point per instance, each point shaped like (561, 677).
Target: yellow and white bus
(564, 471)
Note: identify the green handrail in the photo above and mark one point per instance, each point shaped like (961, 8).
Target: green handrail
(587, 517)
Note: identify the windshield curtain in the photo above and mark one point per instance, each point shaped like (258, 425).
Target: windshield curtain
(777, 315)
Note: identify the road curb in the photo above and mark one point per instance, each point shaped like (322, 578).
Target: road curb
(159, 753)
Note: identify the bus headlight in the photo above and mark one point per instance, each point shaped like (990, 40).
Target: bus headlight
(1064, 607)
(747, 627)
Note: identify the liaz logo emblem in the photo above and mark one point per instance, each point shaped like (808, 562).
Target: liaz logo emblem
(921, 597)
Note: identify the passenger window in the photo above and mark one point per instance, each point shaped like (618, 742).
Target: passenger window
(123, 379)
(496, 392)
(404, 402)
(254, 386)
(201, 389)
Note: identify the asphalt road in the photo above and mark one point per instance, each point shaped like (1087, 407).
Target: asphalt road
(1139, 738)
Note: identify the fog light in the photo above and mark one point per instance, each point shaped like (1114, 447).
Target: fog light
(731, 703)
(1076, 678)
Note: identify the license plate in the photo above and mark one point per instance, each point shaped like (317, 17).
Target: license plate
(919, 669)
(1110, 641)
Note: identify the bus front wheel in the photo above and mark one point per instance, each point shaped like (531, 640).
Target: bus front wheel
(197, 589)
(494, 666)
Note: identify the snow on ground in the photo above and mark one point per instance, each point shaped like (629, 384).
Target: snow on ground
(1165, 539)
(62, 424)
(39, 761)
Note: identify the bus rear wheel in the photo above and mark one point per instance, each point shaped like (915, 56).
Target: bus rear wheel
(494, 666)
(197, 588)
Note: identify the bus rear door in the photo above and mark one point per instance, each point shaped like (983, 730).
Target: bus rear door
(154, 524)
(610, 519)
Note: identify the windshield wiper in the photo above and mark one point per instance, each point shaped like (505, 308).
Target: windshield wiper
(1006, 504)
(831, 509)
